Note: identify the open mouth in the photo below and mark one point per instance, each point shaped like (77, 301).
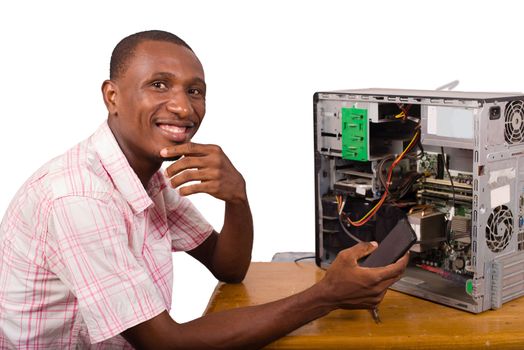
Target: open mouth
(173, 132)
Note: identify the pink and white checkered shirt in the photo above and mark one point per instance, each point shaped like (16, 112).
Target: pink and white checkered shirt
(85, 250)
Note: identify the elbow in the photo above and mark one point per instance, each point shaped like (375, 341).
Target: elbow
(232, 280)
(232, 270)
(233, 275)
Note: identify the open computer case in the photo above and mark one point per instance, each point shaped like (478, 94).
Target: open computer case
(452, 162)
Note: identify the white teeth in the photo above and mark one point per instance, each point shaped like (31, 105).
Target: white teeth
(173, 129)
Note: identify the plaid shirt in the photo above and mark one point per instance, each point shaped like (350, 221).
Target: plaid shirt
(85, 250)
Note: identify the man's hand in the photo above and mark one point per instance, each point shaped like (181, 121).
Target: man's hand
(228, 254)
(210, 167)
(350, 286)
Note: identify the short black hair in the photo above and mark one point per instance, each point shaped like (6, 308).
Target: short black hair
(125, 49)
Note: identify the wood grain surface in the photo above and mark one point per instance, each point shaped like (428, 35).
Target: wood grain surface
(407, 322)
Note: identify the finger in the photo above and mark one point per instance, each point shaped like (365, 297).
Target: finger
(188, 176)
(376, 299)
(393, 270)
(386, 283)
(188, 149)
(194, 188)
(404, 260)
(184, 164)
(361, 250)
(368, 302)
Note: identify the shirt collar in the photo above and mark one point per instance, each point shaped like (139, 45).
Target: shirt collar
(117, 167)
(156, 184)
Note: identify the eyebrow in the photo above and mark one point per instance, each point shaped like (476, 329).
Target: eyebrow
(168, 75)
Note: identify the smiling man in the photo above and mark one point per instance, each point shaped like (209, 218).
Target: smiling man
(85, 246)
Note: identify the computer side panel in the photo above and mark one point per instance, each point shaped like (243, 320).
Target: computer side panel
(499, 239)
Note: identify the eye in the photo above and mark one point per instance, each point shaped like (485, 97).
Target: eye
(159, 85)
(195, 92)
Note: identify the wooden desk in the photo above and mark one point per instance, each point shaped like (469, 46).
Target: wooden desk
(407, 322)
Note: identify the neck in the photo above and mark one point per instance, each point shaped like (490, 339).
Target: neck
(143, 167)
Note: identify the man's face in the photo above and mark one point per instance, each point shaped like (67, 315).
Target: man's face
(159, 100)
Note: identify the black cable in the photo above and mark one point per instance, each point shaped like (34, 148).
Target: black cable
(380, 166)
(346, 231)
(304, 258)
(411, 179)
(446, 166)
(419, 143)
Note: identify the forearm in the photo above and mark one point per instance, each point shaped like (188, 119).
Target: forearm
(345, 285)
(256, 326)
(232, 253)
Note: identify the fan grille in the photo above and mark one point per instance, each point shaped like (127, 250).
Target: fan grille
(499, 229)
(514, 122)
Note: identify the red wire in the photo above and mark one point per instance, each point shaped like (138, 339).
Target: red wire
(386, 192)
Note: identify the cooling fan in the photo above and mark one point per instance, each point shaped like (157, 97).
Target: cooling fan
(499, 229)
(514, 122)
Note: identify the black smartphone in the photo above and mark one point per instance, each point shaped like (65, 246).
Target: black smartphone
(393, 246)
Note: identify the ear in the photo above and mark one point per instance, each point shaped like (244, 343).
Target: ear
(109, 93)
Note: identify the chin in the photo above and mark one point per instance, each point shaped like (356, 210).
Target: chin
(172, 159)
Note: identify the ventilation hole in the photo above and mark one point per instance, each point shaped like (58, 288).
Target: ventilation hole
(499, 229)
(514, 122)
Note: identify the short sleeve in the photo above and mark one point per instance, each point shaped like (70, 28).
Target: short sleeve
(187, 227)
(90, 253)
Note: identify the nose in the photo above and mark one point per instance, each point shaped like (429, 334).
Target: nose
(180, 104)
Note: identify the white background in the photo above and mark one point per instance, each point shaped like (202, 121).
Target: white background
(263, 62)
